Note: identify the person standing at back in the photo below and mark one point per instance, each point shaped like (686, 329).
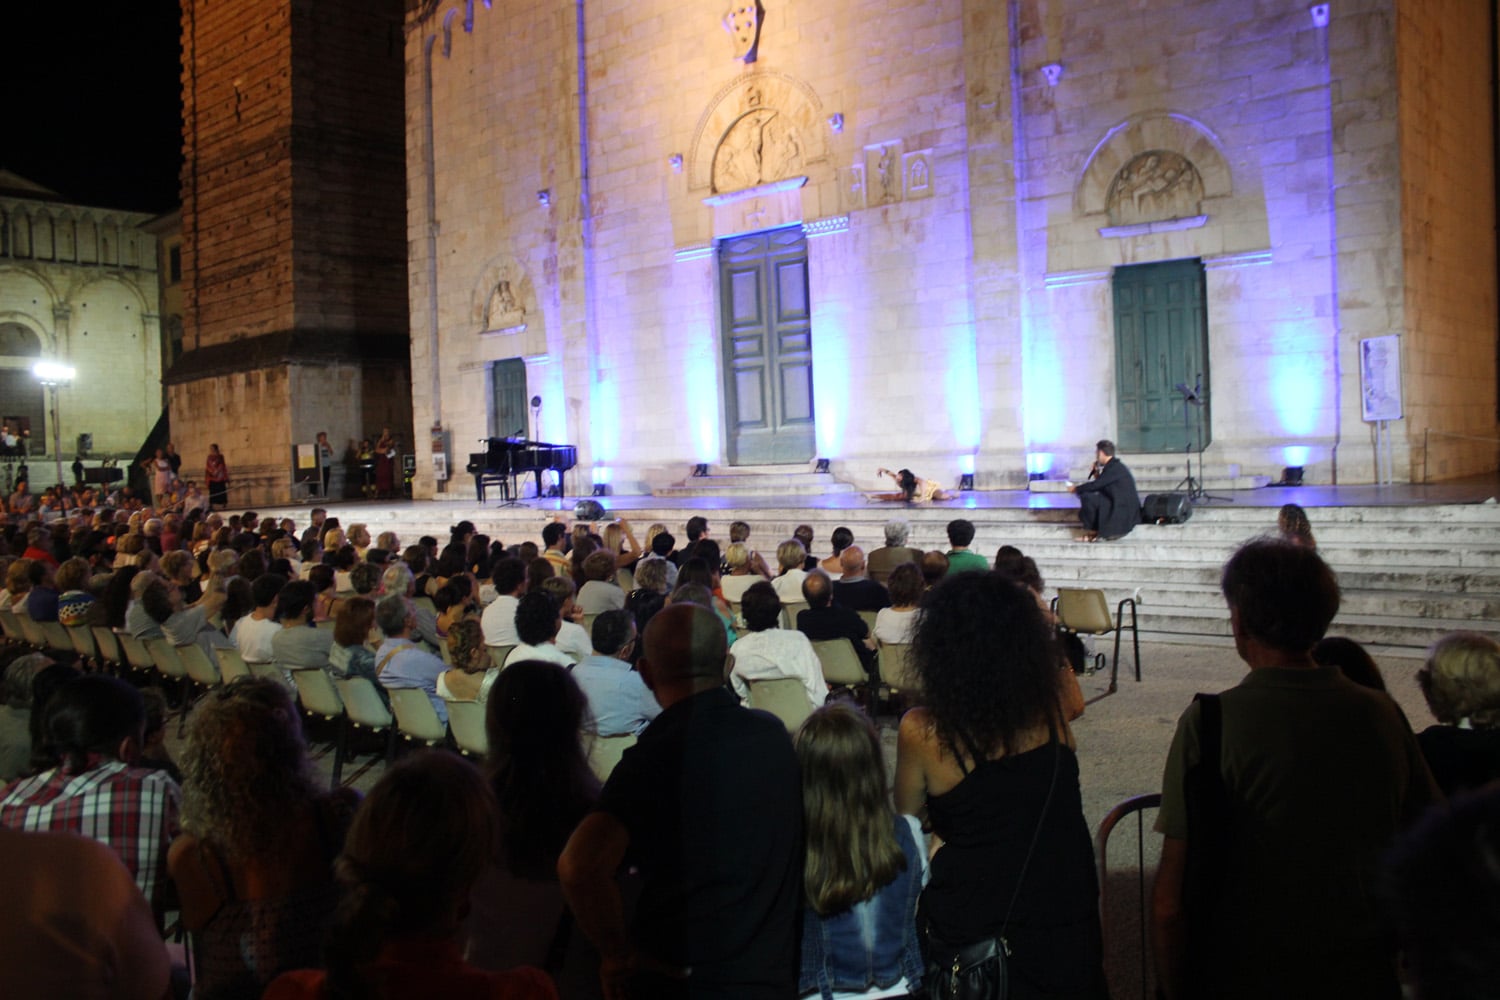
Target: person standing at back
(1279, 798)
(708, 806)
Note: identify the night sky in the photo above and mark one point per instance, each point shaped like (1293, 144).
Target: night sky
(93, 104)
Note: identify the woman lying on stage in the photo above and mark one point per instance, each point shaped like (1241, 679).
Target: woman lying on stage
(914, 489)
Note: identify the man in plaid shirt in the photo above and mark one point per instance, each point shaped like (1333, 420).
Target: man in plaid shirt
(95, 725)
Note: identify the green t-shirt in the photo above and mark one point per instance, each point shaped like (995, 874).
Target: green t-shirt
(967, 562)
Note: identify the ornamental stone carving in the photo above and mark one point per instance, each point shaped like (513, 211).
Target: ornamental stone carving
(1155, 185)
(743, 22)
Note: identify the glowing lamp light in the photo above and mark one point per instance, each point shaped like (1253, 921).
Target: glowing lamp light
(1295, 456)
(966, 465)
(1038, 463)
(52, 373)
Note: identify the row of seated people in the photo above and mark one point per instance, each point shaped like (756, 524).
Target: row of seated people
(970, 706)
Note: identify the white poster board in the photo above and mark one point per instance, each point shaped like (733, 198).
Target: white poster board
(1380, 378)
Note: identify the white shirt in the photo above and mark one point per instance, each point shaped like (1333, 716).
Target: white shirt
(574, 640)
(499, 622)
(789, 586)
(892, 626)
(252, 637)
(778, 653)
(547, 652)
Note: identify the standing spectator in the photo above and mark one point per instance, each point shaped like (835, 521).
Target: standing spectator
(161, 477)
(721, 883)
(216, 475)
(325, 460)
(94, 726)
(1318, 775)
(992, 760)
(417, 846)
(174, 460)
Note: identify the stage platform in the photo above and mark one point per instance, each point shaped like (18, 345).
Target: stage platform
(1414, 561)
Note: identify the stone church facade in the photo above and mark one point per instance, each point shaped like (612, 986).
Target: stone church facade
(78, 285)
(956, 235)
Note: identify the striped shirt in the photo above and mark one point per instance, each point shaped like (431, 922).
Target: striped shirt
(131, 809)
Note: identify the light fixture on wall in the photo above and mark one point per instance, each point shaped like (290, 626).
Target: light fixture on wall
(836, 122)
(966, 481)
(1053, 72)
(54, 375)
(1319, 12)
(701, 469)
(544, 197)
(676, 162)
(822, 465)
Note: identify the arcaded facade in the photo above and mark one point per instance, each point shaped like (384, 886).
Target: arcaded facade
(958, 235)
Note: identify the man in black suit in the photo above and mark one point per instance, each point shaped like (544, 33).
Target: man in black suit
(1108, 504)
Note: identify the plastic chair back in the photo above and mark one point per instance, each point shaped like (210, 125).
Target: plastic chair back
(267, 670)
(498, 655)
(82, 640)
(425, 603)
(466, 722)
(605, 752)
(57, 637)
(841, 663)
(135, 652)
(108, 644)
(32, 630)
(895, 666)
(232, 665)
(164, 656)
(625, 579)
(415, 716)
(362, 703)
(868, 617)
(1086, 611)
(789, 612)
(11, 627)
(317, 693)
(199, 667)
(783, 697)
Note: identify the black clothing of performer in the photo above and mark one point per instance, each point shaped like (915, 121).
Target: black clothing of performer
(1109, 505)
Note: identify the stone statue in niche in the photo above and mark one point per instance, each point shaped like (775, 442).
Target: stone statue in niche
(743, 21)
(1155, 186)
(761, 146)
(504, 311)
(854, 187)
(883, 174)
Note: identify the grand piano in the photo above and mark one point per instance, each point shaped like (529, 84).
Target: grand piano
(505, 460)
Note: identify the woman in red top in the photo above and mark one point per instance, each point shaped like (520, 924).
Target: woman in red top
(414, 852)
(385, 464)
(216, 474)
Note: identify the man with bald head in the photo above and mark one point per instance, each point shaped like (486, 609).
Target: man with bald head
(854, 589)
(708, 806)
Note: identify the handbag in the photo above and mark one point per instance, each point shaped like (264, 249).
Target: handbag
(981, 970)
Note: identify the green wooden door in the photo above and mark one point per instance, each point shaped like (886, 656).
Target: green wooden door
(767, 346)
(1161, 339)
(508, 417)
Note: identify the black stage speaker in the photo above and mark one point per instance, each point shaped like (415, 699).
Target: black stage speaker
(1166, 508)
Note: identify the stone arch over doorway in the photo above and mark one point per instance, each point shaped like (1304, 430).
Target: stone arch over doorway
(1152, 167)
(761, 128)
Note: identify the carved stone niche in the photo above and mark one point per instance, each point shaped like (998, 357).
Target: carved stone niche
(503, 299)
(916, 170)
(883, 174)
(1154, 186)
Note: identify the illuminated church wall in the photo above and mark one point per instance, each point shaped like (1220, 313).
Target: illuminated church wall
(956, 188)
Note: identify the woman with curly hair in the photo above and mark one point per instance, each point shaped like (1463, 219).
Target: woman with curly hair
(418, 844)
(1292, 523)
(254, 865)
(536, 721)
(991, 759)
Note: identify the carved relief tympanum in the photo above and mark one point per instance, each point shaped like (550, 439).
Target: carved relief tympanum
(1155, 185)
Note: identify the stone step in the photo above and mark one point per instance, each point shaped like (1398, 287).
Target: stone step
(800, 484)
(1166, 482)
(1374, 630)
(1125, 577)
(1382, 603)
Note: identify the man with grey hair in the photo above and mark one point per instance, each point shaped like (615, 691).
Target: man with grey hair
(893, 553)
(400, 662)
(398, 581)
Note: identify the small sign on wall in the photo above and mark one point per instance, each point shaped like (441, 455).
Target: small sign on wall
(440, 465)
(1380, 378)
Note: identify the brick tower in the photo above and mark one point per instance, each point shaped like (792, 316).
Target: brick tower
(294, 235)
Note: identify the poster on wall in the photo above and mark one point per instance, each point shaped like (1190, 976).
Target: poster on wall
(1380, 378)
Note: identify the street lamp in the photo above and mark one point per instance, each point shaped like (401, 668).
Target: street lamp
(54, 375)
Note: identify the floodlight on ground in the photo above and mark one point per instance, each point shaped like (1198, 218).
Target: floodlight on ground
(966, 481)
(822, 465)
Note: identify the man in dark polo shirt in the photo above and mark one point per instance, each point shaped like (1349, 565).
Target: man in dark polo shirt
(708, 805)
(825, 620)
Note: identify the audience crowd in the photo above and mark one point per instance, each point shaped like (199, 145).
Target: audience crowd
(636, 830)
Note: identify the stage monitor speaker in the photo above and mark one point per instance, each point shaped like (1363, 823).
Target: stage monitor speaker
(1166, 508)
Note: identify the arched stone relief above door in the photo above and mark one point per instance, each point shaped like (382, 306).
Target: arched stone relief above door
(762, 128)
(1155, 169)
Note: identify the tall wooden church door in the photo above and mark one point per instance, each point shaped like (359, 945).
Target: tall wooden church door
(508, 399)
(767, 347)
(1161, 340)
